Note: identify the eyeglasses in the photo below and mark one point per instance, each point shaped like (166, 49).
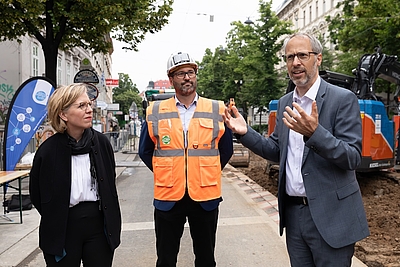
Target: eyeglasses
(182, 74)
(302, 56)
(84, 105)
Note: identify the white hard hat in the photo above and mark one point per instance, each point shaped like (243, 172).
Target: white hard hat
(180, 59)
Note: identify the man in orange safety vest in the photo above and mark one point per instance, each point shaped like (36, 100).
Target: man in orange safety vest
(185, 143)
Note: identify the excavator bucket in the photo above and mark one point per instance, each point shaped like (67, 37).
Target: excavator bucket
(240, 157)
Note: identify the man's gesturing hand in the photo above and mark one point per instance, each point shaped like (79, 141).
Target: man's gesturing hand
(236, 121)
(299, 121)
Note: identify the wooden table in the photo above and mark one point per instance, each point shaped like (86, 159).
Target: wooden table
(8, 176)
(21, 167)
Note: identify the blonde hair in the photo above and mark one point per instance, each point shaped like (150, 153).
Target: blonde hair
(62, 98)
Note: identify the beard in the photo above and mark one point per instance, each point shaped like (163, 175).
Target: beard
(309, 75)
(185, 88)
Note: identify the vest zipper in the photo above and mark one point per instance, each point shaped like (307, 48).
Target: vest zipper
(186, 161)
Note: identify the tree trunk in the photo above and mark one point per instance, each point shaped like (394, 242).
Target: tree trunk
(50, 56)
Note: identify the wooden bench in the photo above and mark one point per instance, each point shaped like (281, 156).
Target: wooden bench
(21, 167)
(6, 177)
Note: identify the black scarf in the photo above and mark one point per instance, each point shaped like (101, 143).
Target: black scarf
(84, 145)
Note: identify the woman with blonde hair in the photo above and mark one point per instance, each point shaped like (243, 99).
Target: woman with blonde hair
(72, 186)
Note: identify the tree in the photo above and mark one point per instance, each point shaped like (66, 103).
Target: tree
(365, 24)
(361, 28)
(347, 62)
(327, 56)
(64, 24)
(245, 69)
(126, 93)
(213, 78)
(256, 48)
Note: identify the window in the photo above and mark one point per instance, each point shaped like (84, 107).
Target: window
(316, 10)
(68, 71)
(59, 72)
(35, 60)
(310, 13)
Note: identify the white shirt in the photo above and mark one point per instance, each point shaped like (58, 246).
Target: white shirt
(82, 188)
(186, 114)
(294, 178)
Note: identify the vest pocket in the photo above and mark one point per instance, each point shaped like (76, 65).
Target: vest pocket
(209, 171)
(163, 172)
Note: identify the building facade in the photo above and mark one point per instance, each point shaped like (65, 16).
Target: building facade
(309, 16)
(24, 60)
(162, 84)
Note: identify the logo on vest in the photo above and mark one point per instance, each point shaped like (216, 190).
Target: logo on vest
(166, 140)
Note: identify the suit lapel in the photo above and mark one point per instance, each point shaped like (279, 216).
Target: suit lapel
(284, 131)
(320, 101)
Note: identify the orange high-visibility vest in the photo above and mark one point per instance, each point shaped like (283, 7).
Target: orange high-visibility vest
(196, 168)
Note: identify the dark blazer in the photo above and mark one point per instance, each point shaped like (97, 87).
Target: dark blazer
(50, 187)
(331, 156)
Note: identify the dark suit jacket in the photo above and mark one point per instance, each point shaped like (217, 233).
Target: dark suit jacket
(50, 187)
(331, 156)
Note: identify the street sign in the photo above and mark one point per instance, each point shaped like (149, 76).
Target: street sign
(86, 65)
(92, 91)
(86, 76)
(114, 82)
(114, 106)
(101, 104)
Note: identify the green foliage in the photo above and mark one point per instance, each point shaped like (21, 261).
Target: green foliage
(126, 93)
(366, 24)
(66, 24)
(348, 62)
(327, 55)
(213, 73)
(245, 69)
(363, 26)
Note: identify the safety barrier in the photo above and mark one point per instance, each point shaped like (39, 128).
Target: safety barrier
(117, 139)
(131, 145)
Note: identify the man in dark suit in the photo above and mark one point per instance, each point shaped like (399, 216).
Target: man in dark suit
(317, 142)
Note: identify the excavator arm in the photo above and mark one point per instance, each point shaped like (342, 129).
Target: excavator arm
(371, 67)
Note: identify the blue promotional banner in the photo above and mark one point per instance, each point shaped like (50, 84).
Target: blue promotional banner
(26, 113)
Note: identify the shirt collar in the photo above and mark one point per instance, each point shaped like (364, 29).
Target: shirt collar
(178, 103)
(311, 93)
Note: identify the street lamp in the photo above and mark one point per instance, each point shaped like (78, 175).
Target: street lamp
(248, 21)
(238, 83)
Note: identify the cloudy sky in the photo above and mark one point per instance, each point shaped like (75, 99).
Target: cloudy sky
(189, 30)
